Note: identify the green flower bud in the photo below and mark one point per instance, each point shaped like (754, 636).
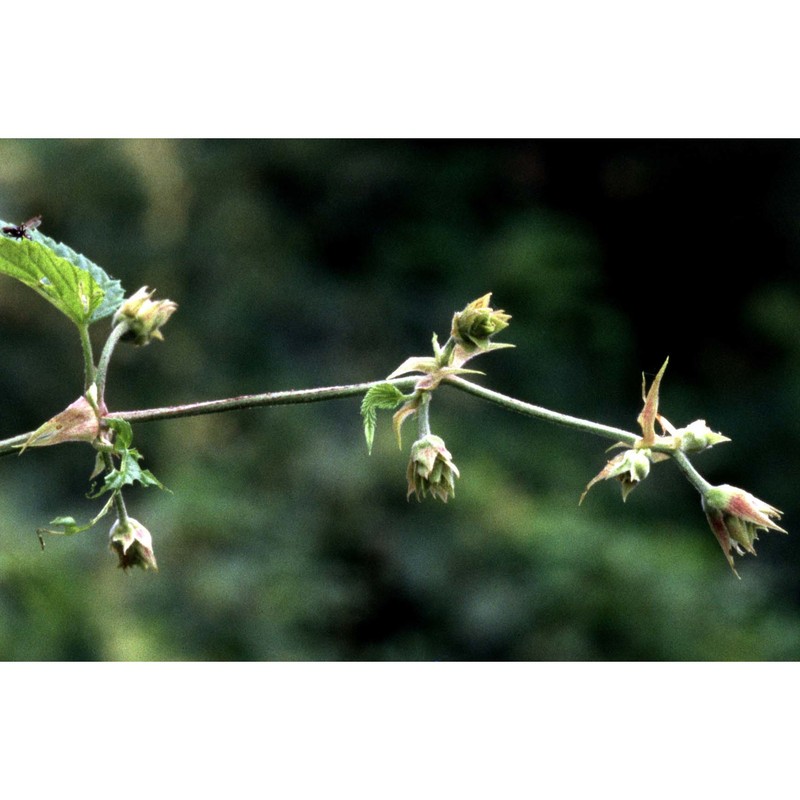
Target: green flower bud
(132, 542)
(697, 437)
(473, 326)
(431, 469)
(635, 467)
(735, 517)
(144, 317)
(629, 468)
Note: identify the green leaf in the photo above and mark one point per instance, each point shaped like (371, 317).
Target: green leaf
(113, 293)
(124, 432)
(67, 522)
(70, 527)
(126, 474)
(76, 286)
(384, 395)
(71, 290)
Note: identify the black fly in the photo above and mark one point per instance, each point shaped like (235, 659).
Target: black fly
(22, 231)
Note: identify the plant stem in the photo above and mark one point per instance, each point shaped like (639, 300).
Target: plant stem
(255, 400)
(585, 425)
(119, 503)
(423, 416)
(8, 446)
(336, 392)
(89, 371)
(692, 475)
(105, 358)
(12, 445)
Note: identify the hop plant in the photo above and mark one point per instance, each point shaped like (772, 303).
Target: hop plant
(477, 323)
(133, 544)
(431, 469)
(85, 294)
(144, 317)
(735, 517)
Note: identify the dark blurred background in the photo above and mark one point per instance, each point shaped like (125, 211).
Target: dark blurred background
(304, 263)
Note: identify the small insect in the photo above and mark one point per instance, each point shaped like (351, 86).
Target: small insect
(22, 231)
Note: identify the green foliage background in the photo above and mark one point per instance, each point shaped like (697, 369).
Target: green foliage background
(304, 263)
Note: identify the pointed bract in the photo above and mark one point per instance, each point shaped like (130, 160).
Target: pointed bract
(630, 468)
(431, 469)
(647, 419)
(402, 414)
(133, 544)
(735, 517)
(476, 323)
(78, 422)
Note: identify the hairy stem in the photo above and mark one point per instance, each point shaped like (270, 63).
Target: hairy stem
(585, 425)
(10, 445)
(255, 400)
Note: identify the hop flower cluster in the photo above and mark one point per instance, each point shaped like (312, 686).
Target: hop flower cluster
(477, 322)
(431, 469)
(133, 543)
(144, 316)
(735, 517)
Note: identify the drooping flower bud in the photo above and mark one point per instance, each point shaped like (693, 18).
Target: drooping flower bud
(144, 317)
(629, 468)
(431, 469)
(735, 517)
(132, 542)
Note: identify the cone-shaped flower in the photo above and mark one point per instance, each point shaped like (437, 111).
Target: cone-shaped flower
(478, 321)
(629, 468)
(132, 542)
(735, 517)
(431, 469)
(474, 326)
(145, 317)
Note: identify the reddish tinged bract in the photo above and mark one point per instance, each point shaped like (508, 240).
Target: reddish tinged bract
(735, 517)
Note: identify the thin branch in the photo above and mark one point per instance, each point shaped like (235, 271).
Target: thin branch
(692, 475)
(255, 401)
(585, 425)
(12, 444)
(105, 358)
(337, 392)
